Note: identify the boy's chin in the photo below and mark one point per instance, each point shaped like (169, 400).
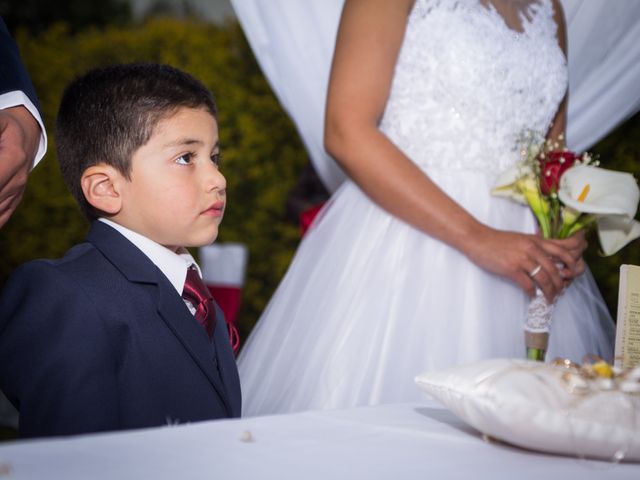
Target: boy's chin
(195, 241)
(204, 240)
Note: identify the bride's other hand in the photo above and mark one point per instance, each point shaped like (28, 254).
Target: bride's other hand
(528, 260)
(576, 246)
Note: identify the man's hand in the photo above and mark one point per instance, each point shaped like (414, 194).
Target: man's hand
(19, 140)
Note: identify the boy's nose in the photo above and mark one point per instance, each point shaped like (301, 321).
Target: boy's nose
(214, 179)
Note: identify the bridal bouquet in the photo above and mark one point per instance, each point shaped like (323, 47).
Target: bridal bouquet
(568, 192)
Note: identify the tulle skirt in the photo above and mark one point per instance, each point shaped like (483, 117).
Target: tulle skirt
(369, 302)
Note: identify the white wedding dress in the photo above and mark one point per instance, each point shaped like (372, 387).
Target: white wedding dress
(369, 302)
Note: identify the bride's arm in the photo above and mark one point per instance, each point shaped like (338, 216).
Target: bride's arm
(559, 124)
(368, 42)
(576, 245)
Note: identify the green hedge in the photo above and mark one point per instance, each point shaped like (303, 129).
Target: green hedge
(262, 155)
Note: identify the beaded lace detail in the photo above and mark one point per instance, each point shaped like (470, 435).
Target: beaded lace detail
(466, 85)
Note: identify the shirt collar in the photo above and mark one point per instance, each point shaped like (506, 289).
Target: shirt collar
(173, 265)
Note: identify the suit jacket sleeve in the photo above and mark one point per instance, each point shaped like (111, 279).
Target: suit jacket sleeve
(56, 362)
(13, 75)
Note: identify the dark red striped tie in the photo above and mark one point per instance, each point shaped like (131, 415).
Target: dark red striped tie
(197, 293)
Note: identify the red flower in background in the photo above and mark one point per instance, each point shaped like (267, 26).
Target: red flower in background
(307, 217)
(552, 166)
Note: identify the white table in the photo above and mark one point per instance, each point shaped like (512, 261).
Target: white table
(405, 441)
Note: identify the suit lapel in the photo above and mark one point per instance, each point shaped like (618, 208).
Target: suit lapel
(137, 268)
(192, 336)
(227, 362)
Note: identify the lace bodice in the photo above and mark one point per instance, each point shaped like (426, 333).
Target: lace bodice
(466, 85)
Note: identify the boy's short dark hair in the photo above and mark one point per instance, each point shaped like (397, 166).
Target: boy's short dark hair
(108, 113)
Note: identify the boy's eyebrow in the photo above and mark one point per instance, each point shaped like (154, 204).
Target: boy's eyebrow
(188, 141)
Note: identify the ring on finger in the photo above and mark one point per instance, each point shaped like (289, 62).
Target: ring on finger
(535, 270)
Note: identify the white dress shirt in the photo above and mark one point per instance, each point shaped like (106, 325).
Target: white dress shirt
(173, 265)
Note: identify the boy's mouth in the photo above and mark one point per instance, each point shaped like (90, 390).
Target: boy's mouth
(215, 210)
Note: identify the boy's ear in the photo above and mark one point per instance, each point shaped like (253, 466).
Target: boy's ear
(100, 187)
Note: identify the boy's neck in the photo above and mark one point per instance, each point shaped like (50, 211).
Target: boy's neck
(129, 232)
(173, 264)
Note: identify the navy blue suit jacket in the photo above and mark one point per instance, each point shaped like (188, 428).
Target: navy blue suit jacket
(13, 75)
(100, 340)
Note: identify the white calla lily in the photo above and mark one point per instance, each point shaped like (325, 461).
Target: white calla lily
(615, 232)
(611, 196)
(507, 184)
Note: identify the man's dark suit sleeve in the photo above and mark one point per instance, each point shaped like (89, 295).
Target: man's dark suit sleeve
(13, 75)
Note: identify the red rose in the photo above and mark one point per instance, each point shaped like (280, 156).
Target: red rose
(552, 167)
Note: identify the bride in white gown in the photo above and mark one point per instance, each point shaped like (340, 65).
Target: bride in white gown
(413, 265)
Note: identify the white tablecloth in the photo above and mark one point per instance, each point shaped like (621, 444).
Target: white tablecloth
(399, 442)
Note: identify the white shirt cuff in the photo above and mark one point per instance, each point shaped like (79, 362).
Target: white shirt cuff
(17, 97)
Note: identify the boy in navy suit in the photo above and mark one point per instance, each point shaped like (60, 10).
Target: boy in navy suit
(104, 338)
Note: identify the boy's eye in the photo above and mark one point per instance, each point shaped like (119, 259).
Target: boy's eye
(184, 159)
(215, 158)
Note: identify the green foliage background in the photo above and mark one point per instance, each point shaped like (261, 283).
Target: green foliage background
(262, 155)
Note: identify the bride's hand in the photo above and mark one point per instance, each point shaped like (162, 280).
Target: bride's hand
(529, 260)
(576, 246)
